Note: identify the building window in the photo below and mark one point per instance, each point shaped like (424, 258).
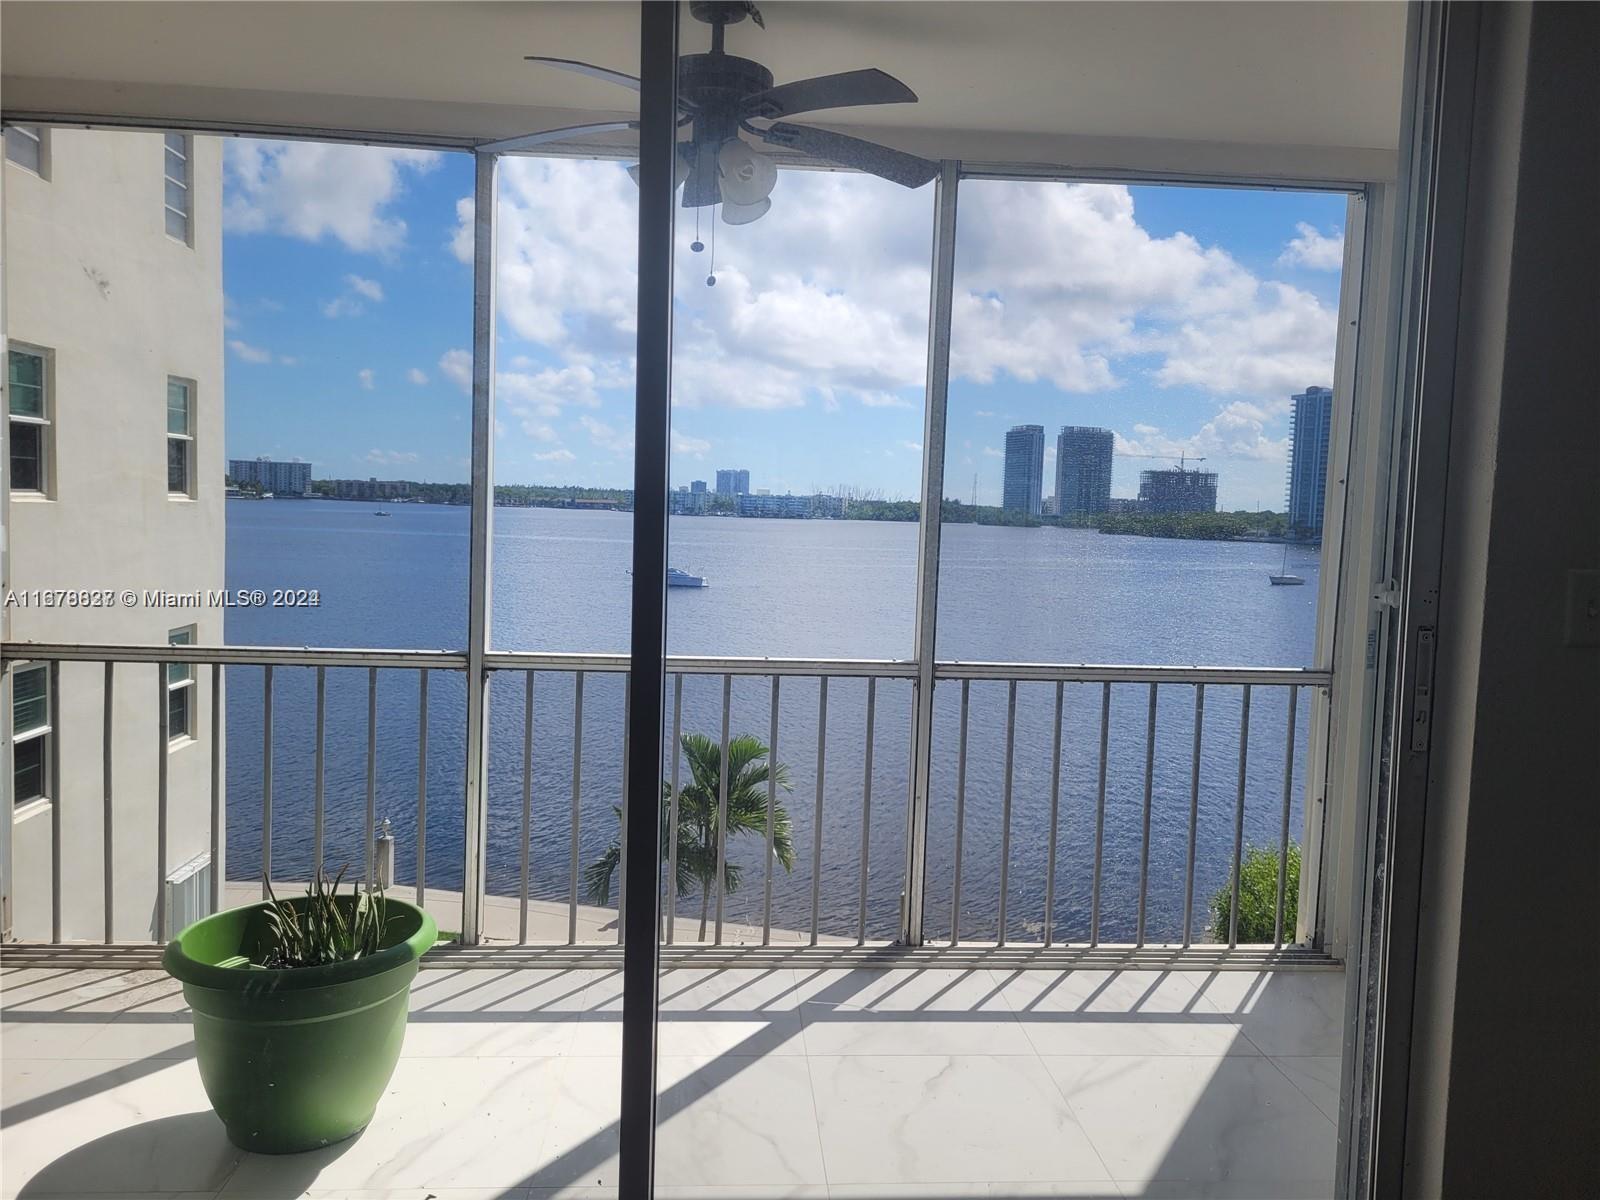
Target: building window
(180, 689)
(178, 205)
(28, 406)
(25, 146)
(30, 734)
(180, 437)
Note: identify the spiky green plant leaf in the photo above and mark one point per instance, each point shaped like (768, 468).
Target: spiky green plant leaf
(321, 930)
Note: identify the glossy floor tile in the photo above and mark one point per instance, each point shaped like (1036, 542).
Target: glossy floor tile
(785, 1084)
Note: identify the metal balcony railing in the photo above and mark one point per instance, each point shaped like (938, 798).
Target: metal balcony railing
(843, 919)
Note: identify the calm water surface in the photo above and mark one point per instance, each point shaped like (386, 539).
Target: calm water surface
(835, 589)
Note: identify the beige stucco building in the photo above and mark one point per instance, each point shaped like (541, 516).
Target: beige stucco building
(113, 310)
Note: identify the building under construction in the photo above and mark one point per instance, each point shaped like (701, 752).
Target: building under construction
(1176, 490)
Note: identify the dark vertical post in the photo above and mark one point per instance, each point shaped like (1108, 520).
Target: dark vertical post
(107, 840)
(57, 799)
(658, 138)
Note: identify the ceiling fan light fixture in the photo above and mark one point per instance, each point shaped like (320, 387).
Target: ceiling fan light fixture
(743, 214)
(748, 177)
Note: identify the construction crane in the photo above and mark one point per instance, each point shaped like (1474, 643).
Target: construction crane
(1181, 459)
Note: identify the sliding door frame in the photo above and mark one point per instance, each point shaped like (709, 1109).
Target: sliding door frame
(641, 812)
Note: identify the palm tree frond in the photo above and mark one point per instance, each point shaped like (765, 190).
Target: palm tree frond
(750, 773)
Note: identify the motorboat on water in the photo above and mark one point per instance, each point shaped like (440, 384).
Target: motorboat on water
(683, 579)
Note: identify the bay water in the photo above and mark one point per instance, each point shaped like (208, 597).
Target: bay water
(814, 589)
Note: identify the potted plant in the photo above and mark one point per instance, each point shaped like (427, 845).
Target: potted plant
(300, 1010)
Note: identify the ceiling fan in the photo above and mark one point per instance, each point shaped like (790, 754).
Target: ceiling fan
(721, 96)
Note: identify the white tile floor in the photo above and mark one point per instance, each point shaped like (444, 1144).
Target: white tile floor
(865, 1084)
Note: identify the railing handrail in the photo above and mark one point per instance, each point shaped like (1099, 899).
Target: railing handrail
(244, 656)
(1030, 672)
(686, 664)
(704, 664)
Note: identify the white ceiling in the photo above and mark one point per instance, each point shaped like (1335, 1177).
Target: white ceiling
(1298, 90)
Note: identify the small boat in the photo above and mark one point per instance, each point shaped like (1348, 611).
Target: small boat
(677, 578)
(380, 513)
(1283, 578)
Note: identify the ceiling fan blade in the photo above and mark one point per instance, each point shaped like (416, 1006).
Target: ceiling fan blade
(589, 69)
(845, 90)
(896, 166)
(527, 141)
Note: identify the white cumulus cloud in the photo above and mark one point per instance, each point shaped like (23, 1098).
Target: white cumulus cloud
(1314, 249)
(457, 366)
(417, 376)
(249, 353)
(694, 447)
(367, 378)
(607, 437)
(824, 303)
(350, 302)
(391, 458)
(317, 190)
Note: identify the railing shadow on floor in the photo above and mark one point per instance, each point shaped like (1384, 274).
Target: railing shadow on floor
(1191, 1155)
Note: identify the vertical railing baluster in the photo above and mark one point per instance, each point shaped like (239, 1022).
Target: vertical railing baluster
(577, 785)
(1055, 823)
(1238, 820)
(266, 778)
(622, 823)
(816, 818)
(219, 816)
(866, 811)
(1100, 815)
(372, 777)
(106, 812)
(57, 794)
(527, 806)
(722, 803)
(422, 786)
(671, 914)
(961, 813)
(162, 737)
(1283, 837)
(1144, 828)
(318, 812)
(772, 805)
(1194, 814)
(1005, 808)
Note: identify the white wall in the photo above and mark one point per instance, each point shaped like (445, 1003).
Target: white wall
(91, 274)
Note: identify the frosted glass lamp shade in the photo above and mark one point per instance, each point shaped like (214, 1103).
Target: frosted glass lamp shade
(747, 177)
(743, 214)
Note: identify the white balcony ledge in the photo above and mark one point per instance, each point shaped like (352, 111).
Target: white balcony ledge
(796, 1082)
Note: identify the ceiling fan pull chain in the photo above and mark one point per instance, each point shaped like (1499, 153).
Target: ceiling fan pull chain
(697, 245)
(711, 278)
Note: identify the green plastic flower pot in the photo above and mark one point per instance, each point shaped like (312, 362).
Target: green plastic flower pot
(295, 1059)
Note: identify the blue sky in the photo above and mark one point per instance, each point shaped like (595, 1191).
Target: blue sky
(1182, 318)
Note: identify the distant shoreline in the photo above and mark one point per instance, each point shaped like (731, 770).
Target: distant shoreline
(1189, 527)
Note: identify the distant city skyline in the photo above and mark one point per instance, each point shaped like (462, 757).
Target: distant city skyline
(733, 481)
(1180, 319)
